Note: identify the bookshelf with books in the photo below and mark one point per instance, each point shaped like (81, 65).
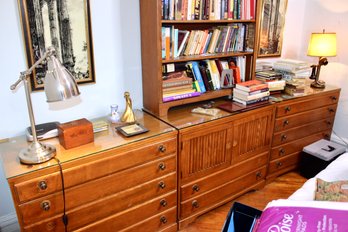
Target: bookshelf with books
(171, 33)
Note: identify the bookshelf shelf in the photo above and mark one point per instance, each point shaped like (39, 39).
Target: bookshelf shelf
(152, 23)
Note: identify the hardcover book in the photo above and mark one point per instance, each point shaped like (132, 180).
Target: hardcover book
(251, 85)
(180, 96)
(266, 98)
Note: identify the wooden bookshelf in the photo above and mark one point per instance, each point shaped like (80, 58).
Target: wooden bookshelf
(151, 47)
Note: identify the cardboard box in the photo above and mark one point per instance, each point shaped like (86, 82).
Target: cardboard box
(75, 133)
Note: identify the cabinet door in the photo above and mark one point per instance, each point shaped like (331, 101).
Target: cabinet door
(204, 149)
(252, 134)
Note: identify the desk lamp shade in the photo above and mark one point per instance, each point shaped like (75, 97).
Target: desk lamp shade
(322, 44)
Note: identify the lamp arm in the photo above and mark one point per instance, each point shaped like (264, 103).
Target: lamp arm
(26, 73)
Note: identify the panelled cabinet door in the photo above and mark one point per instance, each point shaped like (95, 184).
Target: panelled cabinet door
(252, 135)
(204, 150)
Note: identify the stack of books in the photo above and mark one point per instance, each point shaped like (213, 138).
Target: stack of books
(292, 68)
(177, 85)
(295, 87)
(273, 78)
(251, 92)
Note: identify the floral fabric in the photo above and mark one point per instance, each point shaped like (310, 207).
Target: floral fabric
(331, 191)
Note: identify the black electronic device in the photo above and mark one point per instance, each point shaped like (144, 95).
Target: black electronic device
(43, 131)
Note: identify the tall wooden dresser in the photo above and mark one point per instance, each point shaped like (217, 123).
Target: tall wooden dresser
(113, 184)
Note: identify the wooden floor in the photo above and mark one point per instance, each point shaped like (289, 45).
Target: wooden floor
(280, 188)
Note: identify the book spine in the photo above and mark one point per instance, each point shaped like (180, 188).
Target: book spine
(266, 98)
(250, 97)
(181, 96)
(175, 83)
(198, 76)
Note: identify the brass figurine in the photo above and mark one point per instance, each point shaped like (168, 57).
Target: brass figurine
(128, 115)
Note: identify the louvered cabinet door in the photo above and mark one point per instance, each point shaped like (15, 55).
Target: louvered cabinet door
(204, 150)
(252, 134)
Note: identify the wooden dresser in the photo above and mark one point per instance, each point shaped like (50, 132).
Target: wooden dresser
(299, 122)
(112, 184)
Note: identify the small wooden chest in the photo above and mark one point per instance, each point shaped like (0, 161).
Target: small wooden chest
(75, 133)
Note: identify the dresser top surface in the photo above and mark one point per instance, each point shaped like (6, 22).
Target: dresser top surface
(182, 117)
(103, 141)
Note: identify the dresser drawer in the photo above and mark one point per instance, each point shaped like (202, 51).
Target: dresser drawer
(301, 132)
(293, 107)
(202, 185)
(299, 119)
(113, 162)
(221, 194)
(103, 207)
(296, 145)
(283, 163)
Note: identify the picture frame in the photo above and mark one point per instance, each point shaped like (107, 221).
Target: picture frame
(271, 28)
(132, 129)
(65, 25)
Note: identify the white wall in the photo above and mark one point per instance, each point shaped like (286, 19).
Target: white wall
(116, 37)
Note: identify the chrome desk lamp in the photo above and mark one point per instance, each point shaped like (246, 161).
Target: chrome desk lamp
(59, 85)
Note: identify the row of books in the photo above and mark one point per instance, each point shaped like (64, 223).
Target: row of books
(208, 9)
(182, 80)
(251, 92)
(236, 37)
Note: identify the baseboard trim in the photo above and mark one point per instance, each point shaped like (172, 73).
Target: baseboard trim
(9, 223)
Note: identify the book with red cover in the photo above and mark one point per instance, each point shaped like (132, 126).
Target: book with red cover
(251, 85)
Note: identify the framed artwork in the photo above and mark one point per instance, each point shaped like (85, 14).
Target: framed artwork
(271, 27)
(65, 25)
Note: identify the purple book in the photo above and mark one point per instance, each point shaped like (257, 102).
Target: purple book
(181, 96)
(302, 219)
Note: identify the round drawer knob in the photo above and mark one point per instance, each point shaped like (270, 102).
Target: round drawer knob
(162, 148)
(279, 164)
(42, 185)
(162, 166)
(286, 122)
(284, 137)
(331, 110)
(195, 204)
(288, 109)
(162, 185)
(163, 202)
(195, 187)
(281, 151)
(258, 175)
(328, 123)
(45, 205)
(334, 98)
(163, 220)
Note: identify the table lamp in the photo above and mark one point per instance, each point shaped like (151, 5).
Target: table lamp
(59, 85)
(321, 45)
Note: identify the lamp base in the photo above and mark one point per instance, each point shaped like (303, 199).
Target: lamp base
(37, 153)
(318, 84)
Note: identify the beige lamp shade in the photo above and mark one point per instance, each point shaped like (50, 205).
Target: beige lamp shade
(322, 44)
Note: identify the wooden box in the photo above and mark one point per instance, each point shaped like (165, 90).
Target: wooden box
(75, 133)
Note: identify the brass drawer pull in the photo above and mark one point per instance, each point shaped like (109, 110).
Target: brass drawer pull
(42, 185)
(258, 175)
(163, 220)
(284, 137)
(162, 185)
(331, 110)
(281, 151)
(162, 166)
(163, 203)
(195, 187)
(195, 204)
(288, 109)
(162, 148)
(45, 205)
(333, 98)
(279, 164)
(286, 122)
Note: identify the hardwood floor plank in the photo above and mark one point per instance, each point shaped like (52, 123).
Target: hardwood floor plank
(281, 188)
